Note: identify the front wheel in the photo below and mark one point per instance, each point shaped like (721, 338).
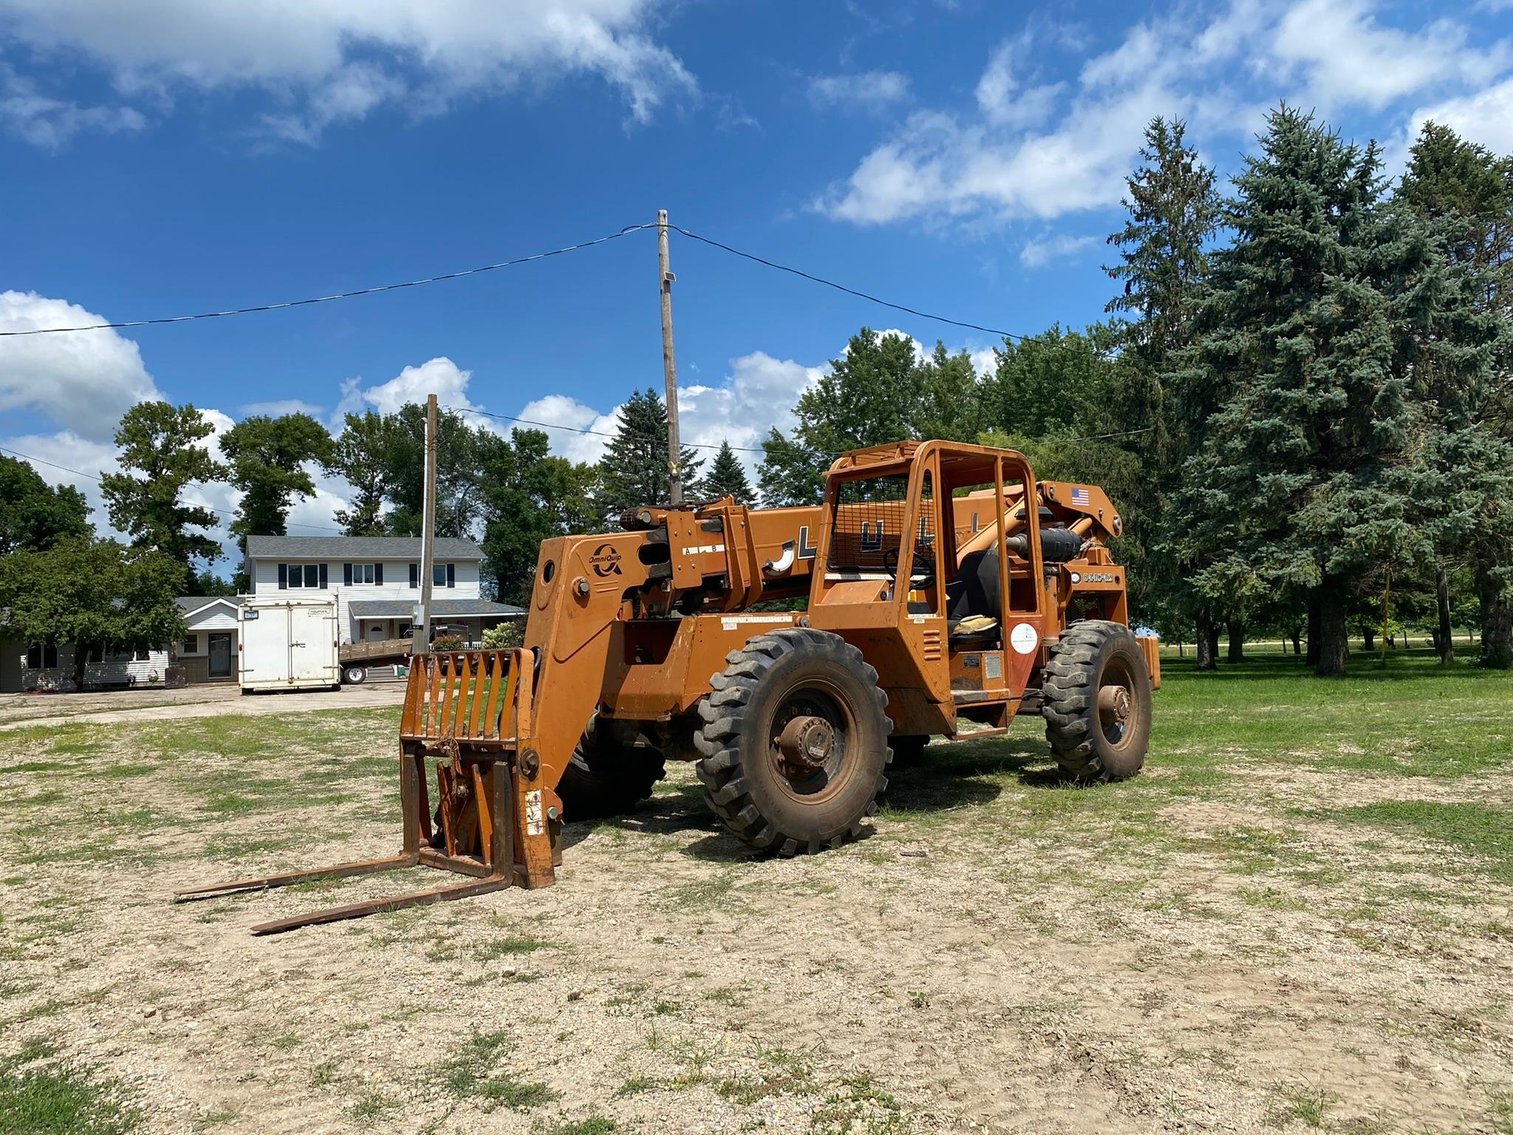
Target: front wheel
(1097, 705)
(795, 742)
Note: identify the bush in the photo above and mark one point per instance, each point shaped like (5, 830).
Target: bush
(447, 642)
(505, 636)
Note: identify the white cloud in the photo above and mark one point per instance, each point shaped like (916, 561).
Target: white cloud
(82, 380)
(281, 407)
(438, 376)
(51, 123)
(1345, 57)
(1030, 150)
(757, 394)
(336, 60)
(868, 90)
(1040, 251)
(1485, 117)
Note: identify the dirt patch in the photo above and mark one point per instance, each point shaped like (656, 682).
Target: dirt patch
(1121, 958)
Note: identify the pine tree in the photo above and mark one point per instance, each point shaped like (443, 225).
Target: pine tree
(726, 477)
(1173, 211)
(1301, 483)
(163, 444)
(634, 469)
(1464, 192)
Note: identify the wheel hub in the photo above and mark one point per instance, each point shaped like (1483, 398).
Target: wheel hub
(806, 743)
(1114, 705)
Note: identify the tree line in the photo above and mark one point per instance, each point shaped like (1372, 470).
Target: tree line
(1300, 400)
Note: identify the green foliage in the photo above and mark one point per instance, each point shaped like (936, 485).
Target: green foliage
(634, 470)
(39, 1096)
(528, 496)
(727, 477)
(267, 459)
(506, 635)
(33, 514)
(91, 593)
(878, 392)
(161, 454)
(360, 455)
(1048, 383)
(460, 451)
(1301, 482)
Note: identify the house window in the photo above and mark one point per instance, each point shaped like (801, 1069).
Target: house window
(362, 574)
(444, 575)
(42, 657)
(191, 644)
(301, 575)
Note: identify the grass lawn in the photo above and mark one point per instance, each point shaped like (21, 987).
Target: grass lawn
(1297, 919)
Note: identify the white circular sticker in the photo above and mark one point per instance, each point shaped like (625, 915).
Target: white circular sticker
(1023, 638)
(1076, 577)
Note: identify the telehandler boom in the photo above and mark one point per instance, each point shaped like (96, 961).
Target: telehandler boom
(939, 589)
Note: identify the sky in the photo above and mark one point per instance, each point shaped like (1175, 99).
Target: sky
(961, 157)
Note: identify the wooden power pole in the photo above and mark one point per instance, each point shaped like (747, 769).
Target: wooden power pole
(420, 639)
(669, 366)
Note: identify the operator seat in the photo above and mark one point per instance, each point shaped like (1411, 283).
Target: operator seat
(974, 594)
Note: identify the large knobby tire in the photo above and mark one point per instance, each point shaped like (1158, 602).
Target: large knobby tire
(795, 742)
(607, 777)
(1097, 705)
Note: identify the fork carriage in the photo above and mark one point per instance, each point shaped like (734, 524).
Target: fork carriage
(495, 818)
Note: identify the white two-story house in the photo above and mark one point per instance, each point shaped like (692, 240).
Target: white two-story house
(375, 581)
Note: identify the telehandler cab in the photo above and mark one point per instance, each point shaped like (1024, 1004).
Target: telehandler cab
(947, 591)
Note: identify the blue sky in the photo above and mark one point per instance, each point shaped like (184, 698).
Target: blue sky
(960, 156)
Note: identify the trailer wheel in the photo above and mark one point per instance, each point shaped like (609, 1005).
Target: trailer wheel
(1097, 704)
(795, 742)
(607, 777)
(354, 675)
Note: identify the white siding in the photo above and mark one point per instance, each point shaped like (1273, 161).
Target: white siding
(111, 672)
(396, 585)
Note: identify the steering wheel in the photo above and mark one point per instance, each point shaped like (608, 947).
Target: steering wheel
(921, 566)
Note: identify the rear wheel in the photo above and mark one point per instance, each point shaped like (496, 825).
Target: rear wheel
(607, 776)
(795, 742)
(354, 675)
(1097, 704)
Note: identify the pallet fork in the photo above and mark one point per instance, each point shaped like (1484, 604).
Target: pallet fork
(498, 822)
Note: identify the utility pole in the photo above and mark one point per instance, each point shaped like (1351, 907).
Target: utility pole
(669, 366)
(420, 640)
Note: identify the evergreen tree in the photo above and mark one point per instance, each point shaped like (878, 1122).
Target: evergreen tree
(1464, 193)
(267, 459)
(162, 453)
(33, 514)
(726, 477)
(634, 469)
(1301, 482)
(1173, 211)
(358, 456)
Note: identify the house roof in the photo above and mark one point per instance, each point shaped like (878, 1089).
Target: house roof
(440, 608)
(189, 604)
(357, 548)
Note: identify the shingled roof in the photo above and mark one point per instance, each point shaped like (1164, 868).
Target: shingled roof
(356, 548)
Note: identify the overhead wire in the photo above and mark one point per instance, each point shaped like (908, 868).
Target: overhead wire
(369, 291)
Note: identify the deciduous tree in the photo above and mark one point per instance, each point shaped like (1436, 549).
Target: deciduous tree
(268, 462)
(33, 514)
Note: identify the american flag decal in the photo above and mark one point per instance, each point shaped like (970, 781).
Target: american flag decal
(1079, 496)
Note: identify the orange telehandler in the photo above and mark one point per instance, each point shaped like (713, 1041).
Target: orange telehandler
(792, 652)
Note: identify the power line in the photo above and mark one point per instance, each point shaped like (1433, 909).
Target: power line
(843, 288)
(97, 477)
(376, 289)
(737, 448)
(584, 429)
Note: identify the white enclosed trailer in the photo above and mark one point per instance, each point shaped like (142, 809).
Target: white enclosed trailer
(288, 644)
